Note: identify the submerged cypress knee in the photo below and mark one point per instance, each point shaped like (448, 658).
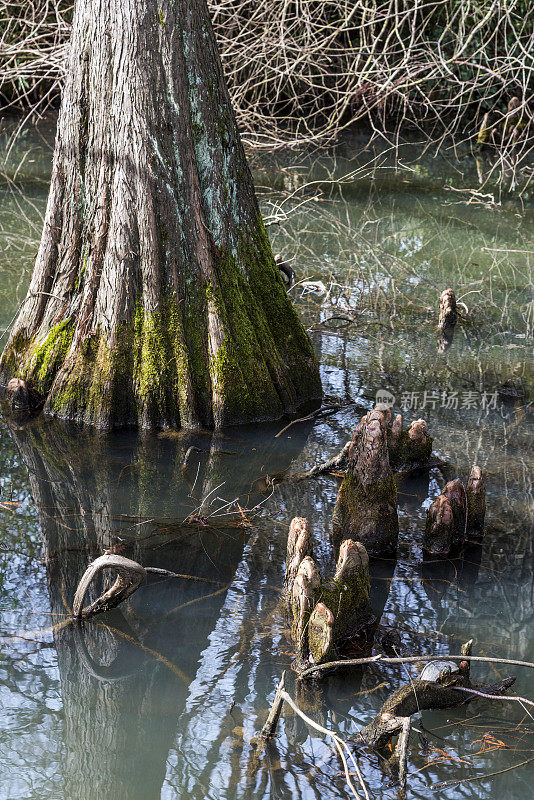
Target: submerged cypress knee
(349, 594)
(324, 613)
(455, 493)
(366, 506)
(321, 634)
(439, 531)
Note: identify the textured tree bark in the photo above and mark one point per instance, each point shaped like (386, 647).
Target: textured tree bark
(155, 298)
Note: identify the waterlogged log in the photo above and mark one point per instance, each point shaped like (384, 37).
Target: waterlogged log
(456, 516)
(435, 687)
(299, 546)
(476, 503)
(366, 506)
(130, 576)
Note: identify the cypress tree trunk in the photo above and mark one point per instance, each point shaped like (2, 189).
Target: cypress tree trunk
(155, 299)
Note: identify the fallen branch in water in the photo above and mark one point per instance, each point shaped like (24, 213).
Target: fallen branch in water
(381, 659)
(269, 729)
(336, 462)
(326, 412)
(405, 451)
(130, 576)
(436, 687)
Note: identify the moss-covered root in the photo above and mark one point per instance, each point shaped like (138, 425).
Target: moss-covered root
(411, 448)
(299, 545)
(353, 611)
(366, 506)
(304, 596)
(439, 531)
(476, 503)
(321, 634)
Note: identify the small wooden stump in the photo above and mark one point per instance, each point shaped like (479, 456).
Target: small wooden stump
(439, 531)
(324, 613)
(409, 448)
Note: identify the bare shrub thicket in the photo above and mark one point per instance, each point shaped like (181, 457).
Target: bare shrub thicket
(301, 70)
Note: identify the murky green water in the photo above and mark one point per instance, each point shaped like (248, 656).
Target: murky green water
(163, 697)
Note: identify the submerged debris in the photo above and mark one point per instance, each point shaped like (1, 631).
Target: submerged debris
(440, 684)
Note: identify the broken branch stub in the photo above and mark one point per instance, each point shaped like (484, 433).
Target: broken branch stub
(366, 505)
(22, 397)
(130, 575)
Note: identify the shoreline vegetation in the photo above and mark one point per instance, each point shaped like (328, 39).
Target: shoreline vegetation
(302, 72)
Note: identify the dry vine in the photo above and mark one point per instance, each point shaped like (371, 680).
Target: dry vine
(302, 70)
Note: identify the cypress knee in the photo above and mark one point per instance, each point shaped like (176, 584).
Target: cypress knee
(366, 506)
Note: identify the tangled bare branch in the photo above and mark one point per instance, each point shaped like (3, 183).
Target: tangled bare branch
(301, 70)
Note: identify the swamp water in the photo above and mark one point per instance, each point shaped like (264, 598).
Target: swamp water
(162, 697)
